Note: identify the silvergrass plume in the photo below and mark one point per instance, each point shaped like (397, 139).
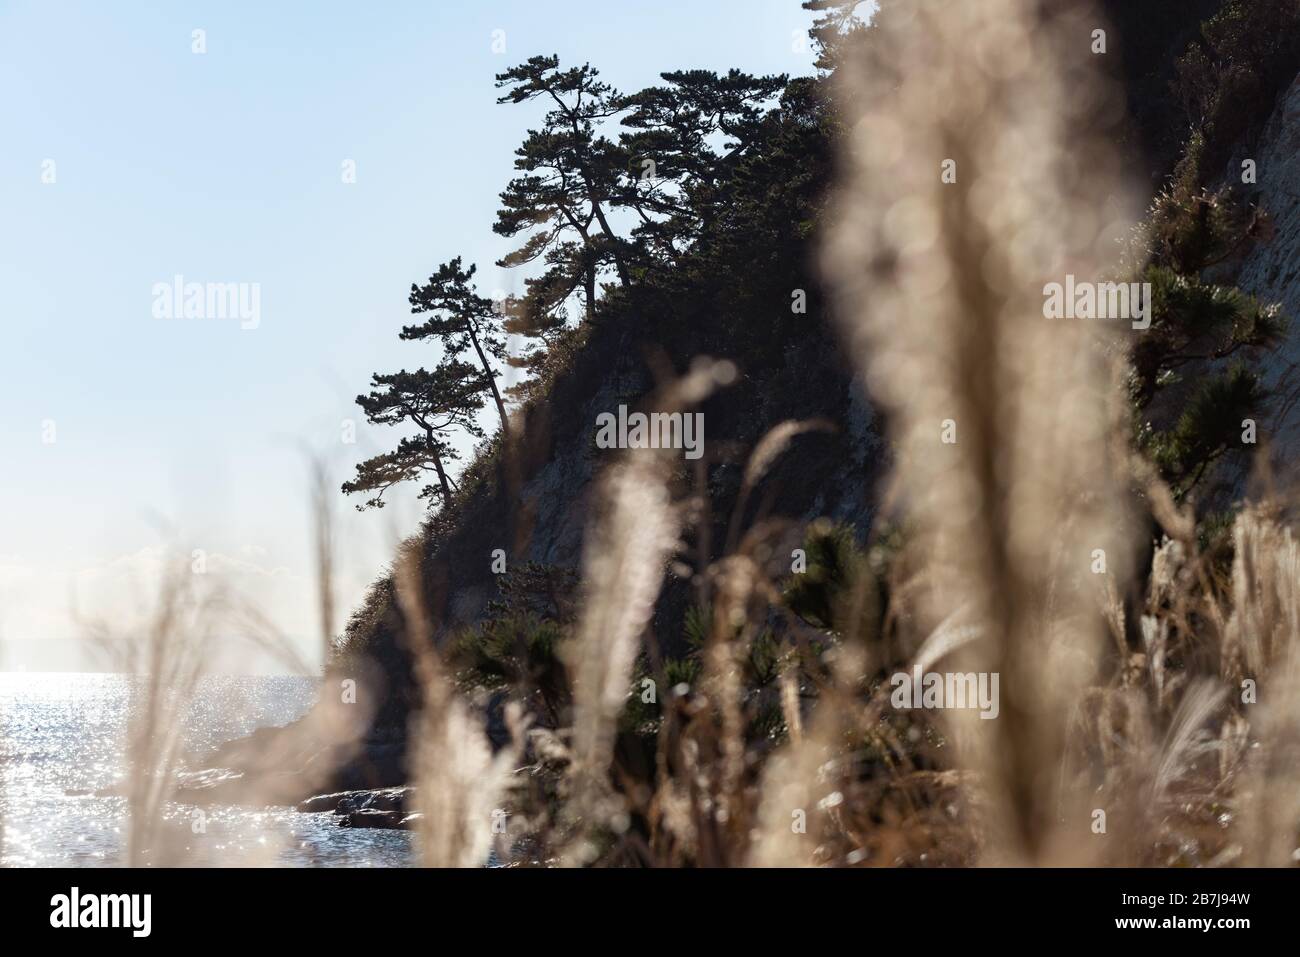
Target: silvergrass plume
(941, 296)
(628, 546)
(460, 784)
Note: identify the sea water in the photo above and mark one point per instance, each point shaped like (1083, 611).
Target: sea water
(63, 736)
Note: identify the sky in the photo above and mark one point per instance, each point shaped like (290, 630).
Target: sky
(129, 159)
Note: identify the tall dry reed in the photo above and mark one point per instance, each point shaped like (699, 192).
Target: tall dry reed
(999, 417)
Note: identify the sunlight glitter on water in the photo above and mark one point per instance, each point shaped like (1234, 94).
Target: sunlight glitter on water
(62, 735)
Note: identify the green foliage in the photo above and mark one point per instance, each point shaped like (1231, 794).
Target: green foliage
(517, 644)
(665, 170)
(839, 591)
(1214, 535)
(672, 130)
(1196, 326)
(697, 623)
(763, 665)
(1193, 229)
(515, 651)
(1194, 321)
(683, 671)
(1236, 55)
(1209, 426)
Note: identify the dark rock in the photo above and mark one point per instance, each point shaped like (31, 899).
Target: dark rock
(498, 732)
(383, 799)
(368, 817)
(346, 802)
(320, 803)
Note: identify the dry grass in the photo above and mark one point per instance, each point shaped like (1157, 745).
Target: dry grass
(941, 297)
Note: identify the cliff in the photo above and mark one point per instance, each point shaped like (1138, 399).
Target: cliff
(1271, 268)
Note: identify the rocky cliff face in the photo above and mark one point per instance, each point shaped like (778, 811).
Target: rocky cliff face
(555, 496)
(534, 504)
(1271, 268)
(830, 475)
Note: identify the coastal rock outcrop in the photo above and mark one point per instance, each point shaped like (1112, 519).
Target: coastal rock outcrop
(378, 808)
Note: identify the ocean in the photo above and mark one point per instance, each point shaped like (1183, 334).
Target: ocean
(63, 735)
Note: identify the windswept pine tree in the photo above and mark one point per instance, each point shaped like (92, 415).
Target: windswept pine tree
(460, 319)
(570, 180)
(437, 403)
(677, 176)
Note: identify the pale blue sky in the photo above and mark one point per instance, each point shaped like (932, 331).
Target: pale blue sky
(225, 167)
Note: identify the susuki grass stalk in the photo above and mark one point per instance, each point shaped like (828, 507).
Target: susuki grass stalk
(948, 227)
(460, 784)
(1265, 627)
(164, 656)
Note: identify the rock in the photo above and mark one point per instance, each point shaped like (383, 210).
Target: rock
(1271, 269)
(378, 807)
(345, 802)
(319, 803)
(382, 799)
(369, 817)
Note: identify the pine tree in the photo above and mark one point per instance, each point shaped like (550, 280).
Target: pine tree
(675, 183)
(1193, 378)
(571, 176)
(460, 319)
(450, 397)
(837, 22)
(1197, 328)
